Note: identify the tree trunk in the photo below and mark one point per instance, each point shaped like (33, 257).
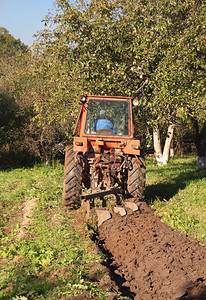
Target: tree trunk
(157, 145)
(166, 152)
(172, 151)
(200, 142)
(162, 159)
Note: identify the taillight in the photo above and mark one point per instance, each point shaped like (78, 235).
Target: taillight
(136, 147)
(79, 143)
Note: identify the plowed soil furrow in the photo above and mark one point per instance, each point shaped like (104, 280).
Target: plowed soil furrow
(155, 261)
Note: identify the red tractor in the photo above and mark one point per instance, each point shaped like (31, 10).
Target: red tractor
(104, 158)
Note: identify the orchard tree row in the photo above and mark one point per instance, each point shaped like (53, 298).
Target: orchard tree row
(152, 50)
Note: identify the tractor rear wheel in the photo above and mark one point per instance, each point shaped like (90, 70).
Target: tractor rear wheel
(72, 179)
(136, 178)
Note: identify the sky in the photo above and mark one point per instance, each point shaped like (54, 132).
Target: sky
(23, 18)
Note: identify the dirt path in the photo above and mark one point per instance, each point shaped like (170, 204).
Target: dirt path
(155, 261)
(27, 212)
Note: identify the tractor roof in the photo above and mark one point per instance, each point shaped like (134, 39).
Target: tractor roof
(108, 97)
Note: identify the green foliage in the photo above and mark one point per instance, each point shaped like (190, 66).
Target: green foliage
(25, 124)
(118, 47)
(15, 110)
(8, 44)
(150, 50)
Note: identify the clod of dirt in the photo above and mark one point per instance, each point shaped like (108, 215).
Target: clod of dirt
(155, 261)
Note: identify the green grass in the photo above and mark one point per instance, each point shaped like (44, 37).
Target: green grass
(52, 260)
(177, 193)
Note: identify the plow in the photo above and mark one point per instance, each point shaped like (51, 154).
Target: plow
(105, 158)
(104, 214)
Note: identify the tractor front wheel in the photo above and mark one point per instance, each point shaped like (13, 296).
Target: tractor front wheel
(72, 179)
(136, 178)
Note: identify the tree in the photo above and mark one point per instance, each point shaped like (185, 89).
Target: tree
(9, 45)
(146, 49)
(15, 111)
(35, 117)
(55, 97)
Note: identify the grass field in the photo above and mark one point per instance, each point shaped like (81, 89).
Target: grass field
(177, 192)
(52, 258)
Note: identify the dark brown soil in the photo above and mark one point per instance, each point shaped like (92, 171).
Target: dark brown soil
(155, 261)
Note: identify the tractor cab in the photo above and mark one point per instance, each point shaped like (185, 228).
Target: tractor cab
(108, 117)
(105, 123)
(105, 116)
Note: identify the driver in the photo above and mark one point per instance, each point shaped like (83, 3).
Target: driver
(103, 124)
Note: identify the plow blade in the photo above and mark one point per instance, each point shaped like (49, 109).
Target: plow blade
(120, 210)
(102, 215)
(131, 205)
